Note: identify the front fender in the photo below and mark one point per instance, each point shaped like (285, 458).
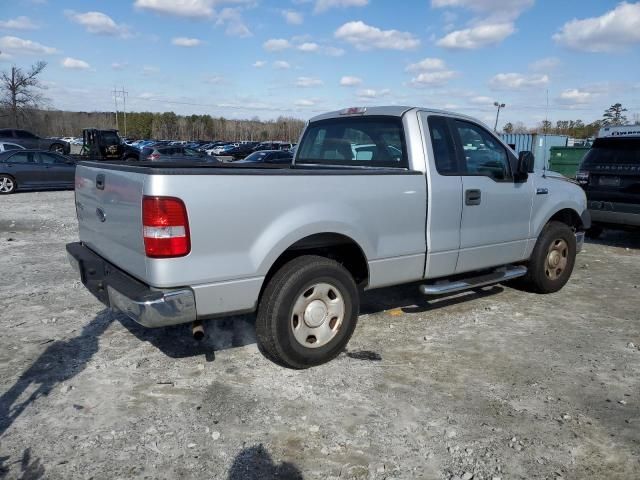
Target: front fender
(562, 195)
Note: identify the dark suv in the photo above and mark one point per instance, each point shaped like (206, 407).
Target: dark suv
(29, 140)
(161, 152)
(610, 176)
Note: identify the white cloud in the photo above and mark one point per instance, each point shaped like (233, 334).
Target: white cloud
(615, 30)
(575, 96)
(181, 8)
(19, 46)
(292, 17)
(149, 70)
(369, 93)
(232, 18)
(98, 23)
(308, 47)
(433, 78)
(324, 5)
(146, 95)
(505, 9)
(259, 63)
(427, 64)
(431, 72)
(481, 100)
(281, 65)
(306, 82)
(348, 81)
(304, 103)
(478, 36)
(18, 23)
(518, 81)
(365, 37)
(186, 42)
(119, 66)
(276, 45)
(544, 64)
(75, 64)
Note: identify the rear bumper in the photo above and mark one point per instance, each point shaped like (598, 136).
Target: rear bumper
(615, 213)
(121, 292)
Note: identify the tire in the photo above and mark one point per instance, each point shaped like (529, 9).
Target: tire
(549, 272)
(57, 147)
(307, 312)
(7, 185)
(594, 232)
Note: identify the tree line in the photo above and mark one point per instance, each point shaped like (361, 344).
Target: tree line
(167, 125)
(612, 117)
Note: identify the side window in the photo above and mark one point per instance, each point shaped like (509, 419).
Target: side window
(442, 143)
(483, 154)
(12, 146)
(51, 159)
(22, 157)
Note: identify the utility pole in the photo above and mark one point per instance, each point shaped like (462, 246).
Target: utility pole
(124, 101)
(499, 105)
(115, 99)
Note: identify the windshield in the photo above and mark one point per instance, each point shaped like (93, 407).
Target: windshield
(613, 151)
(355, 141)
(256, 157)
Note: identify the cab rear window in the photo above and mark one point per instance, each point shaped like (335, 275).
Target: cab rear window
(354, 141)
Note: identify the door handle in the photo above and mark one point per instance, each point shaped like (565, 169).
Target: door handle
(472, 197)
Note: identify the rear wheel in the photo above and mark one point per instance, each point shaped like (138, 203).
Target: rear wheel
(57, 147)
(307, 312)
(7, 185)
(552, 260)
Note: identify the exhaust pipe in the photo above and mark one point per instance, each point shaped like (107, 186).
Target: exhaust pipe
(197, 330)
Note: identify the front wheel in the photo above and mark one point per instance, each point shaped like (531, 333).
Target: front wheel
(307, 312)
(552, 260)
(7, 185)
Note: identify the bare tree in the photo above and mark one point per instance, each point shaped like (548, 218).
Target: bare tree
(19, 91)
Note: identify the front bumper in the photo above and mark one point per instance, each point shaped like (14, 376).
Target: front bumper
(121, 292)
(615, 213)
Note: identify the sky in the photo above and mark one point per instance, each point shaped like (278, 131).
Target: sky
(561, 60)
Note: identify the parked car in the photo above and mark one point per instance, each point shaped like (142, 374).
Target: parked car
(35, 170)
(238, 152)
(272, 146)
(159, 153)
(455, 210)
(6, 146)
(29, 140)
(610, 176)
(269, 156)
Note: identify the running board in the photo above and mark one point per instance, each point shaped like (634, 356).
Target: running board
(500, 275)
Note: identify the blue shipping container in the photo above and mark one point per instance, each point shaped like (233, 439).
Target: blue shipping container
(539, 144)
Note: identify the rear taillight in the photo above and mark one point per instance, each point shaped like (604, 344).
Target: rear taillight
(153, 156)
(165, 227)
(582, 177)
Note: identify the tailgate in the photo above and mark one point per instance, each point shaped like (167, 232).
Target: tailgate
(109, 208)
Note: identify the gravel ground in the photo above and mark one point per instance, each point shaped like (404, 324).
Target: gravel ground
(502, 384)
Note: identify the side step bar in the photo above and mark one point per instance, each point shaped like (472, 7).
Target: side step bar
(500, 275)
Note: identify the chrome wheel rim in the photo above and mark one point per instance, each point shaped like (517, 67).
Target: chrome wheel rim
(317, 315)
(557, 256)
(6, 185)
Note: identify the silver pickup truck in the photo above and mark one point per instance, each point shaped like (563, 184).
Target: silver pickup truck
(374, 197)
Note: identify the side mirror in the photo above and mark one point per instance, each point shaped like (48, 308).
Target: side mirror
(525, 166)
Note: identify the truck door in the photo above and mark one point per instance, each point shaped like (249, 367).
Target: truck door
(444, 197)
(496, 211)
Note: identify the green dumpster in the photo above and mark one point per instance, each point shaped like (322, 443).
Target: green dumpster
(565, 160)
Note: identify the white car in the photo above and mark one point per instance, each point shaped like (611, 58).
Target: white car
(6, 146)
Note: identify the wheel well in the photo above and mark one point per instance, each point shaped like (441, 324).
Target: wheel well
(569, 217)
(330, 245)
